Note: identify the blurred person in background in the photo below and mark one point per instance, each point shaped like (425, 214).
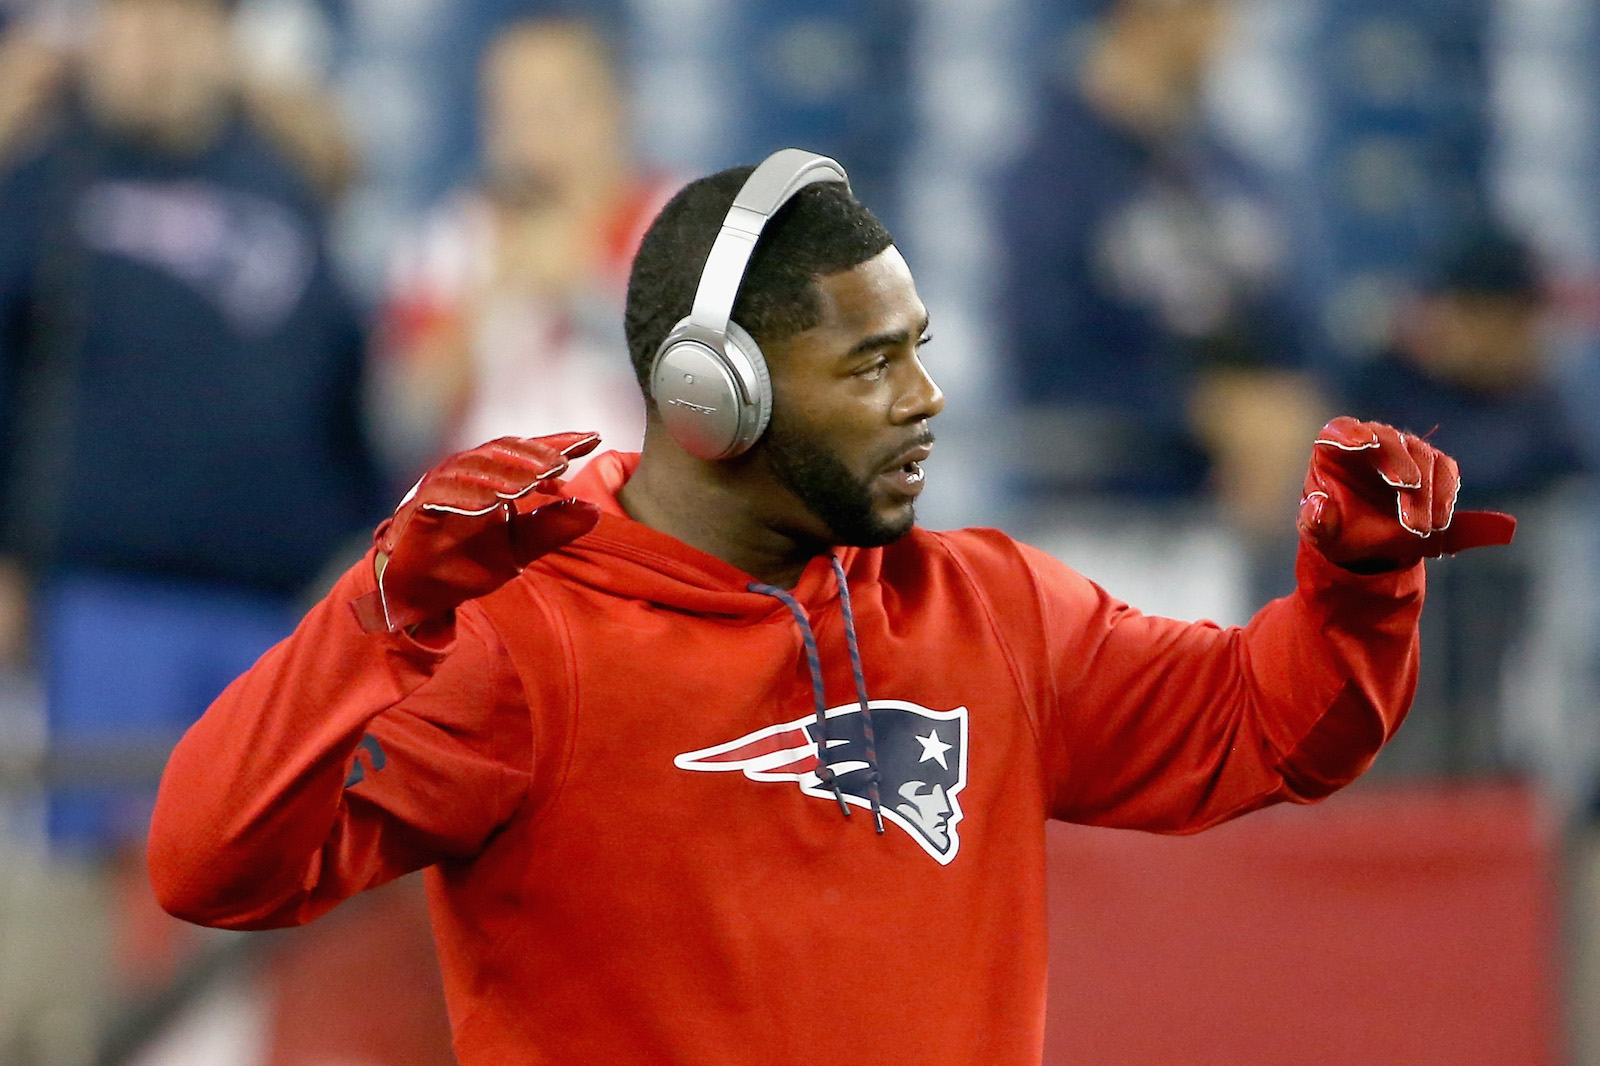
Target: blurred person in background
(1469, 365)
(503, 317)
(1159, 342)
(31, 70)
(180, 431)
(504, 312)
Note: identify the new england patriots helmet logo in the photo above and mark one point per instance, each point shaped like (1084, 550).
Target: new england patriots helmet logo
(922, 764)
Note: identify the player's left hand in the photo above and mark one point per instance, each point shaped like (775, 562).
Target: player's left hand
(1378, 499)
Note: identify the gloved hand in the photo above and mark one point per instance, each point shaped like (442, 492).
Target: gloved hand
(458, 535)
(1378, 499)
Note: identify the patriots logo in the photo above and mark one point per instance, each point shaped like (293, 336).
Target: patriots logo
(922, 763)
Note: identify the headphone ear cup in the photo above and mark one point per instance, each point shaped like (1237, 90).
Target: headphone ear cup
(740, 345)
(711, 390)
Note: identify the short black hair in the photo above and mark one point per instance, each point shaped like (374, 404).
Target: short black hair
(822, 230)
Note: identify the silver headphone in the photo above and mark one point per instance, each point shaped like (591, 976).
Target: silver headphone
(709, 379)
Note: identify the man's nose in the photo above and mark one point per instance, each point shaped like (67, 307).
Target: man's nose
(921, 399)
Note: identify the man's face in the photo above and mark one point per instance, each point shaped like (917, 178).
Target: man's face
(851, 405)
(1489, 342)
(160, 68)
(552, 119)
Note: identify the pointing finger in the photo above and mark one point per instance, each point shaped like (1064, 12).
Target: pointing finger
(1416, 501)
(1446, 486)
(1348, 434)
(1395, 463)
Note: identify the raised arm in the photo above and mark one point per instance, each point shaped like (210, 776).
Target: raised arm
(386, 733)
(1159, 725)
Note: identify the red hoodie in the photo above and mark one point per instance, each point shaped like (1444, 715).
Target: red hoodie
(612, 774)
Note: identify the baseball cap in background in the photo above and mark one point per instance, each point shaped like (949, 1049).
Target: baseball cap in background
(1487, 260)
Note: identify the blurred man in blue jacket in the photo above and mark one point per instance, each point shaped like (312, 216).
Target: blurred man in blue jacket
(1469, 364)
(180, 432)
(1148, 291)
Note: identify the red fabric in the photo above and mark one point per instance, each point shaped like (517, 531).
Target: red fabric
(359, 989)
(594, 900)
(1392, 926)
(148, 946)
(628, 222)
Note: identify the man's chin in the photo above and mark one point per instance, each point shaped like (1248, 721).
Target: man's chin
(860, 513)
(900, 526)
(882, 530)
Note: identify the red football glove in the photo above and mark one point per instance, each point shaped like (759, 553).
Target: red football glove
(1378, 499)
(457, 535)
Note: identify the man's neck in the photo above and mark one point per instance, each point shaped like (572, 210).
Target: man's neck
(713, 509)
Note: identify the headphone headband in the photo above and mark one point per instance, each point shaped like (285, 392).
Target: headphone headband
(769, 187)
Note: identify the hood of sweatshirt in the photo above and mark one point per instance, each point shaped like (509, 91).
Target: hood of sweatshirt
(633, 560)
(628, 558)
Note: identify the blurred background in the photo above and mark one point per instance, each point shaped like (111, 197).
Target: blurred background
(263, 261)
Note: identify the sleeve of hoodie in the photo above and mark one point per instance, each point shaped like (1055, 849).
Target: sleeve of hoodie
(1172, 727)
(339, 761)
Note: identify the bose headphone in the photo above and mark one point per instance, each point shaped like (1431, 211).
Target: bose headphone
(709, 379)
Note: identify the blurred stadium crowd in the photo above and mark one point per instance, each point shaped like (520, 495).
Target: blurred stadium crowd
(261, 262)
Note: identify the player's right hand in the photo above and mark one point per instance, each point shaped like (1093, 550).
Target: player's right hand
(458, 533)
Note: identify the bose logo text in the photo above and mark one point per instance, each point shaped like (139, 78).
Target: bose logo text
(697, 408)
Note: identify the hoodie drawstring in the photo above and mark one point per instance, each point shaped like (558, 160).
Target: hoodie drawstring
(871, 741)
(825, 772)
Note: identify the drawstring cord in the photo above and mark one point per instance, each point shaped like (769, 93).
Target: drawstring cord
(825, 772)
(861, 692)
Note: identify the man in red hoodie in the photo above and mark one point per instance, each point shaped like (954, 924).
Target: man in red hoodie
(708, 747)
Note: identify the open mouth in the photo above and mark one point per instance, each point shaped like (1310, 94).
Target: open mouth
(907, 476)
